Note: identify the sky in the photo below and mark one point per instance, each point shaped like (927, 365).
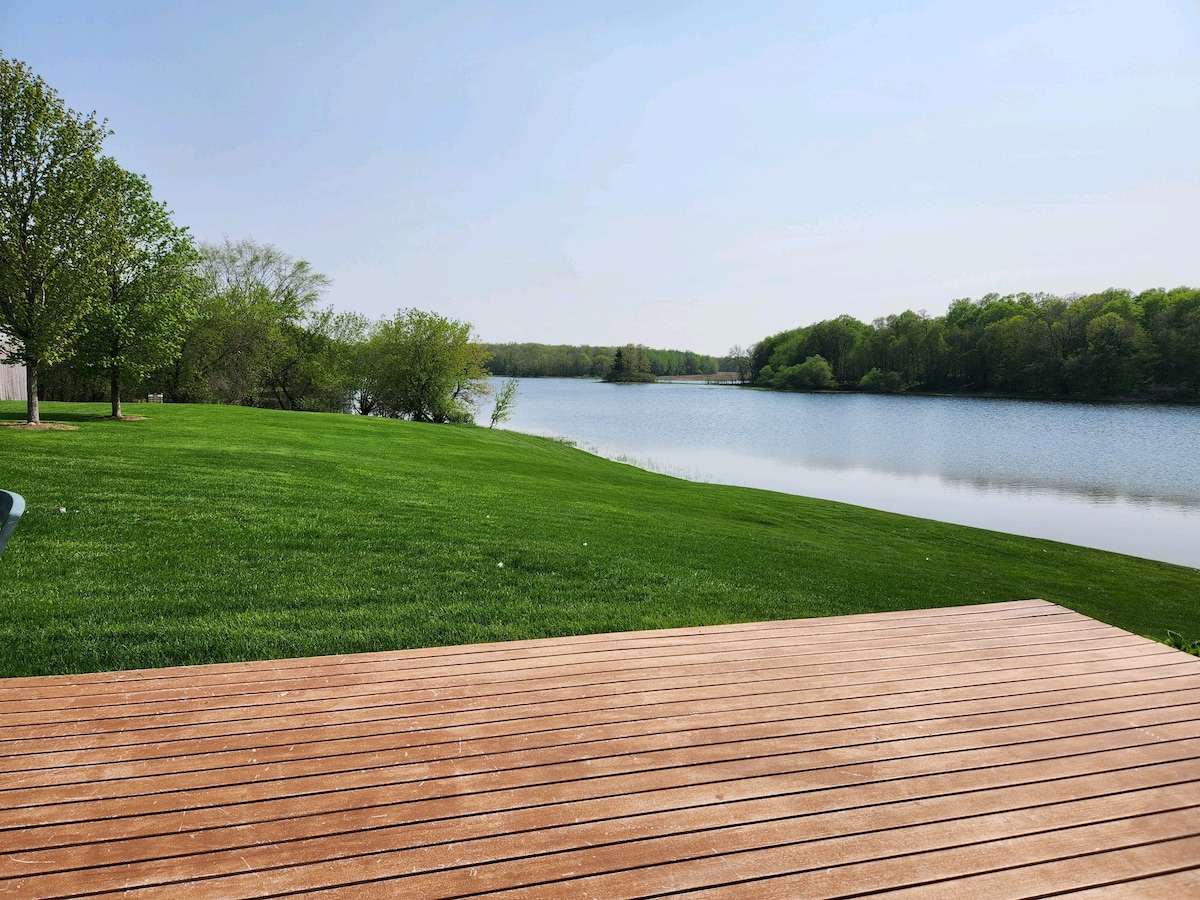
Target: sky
(691, 175)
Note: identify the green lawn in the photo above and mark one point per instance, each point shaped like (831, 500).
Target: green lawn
(211, 533)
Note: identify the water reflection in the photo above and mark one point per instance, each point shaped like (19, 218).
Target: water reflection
(1124, 478)
(1030, 486)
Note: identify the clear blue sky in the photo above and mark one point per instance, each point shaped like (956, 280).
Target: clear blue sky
(680, 174)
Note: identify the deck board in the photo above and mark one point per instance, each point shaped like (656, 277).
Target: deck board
(1013, 749)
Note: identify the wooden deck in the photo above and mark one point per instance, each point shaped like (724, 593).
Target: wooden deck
(1009, 750)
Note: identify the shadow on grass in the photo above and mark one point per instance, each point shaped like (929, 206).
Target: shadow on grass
(57, 418)
(19, 417)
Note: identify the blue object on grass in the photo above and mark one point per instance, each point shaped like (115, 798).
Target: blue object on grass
(11, 507)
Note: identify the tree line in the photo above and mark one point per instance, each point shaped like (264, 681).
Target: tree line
(585, 361)
(103, 296)
(1111, 344)
(251, 332)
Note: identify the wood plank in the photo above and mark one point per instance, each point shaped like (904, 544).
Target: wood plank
(506, 677)
(869, 685)
(561, 763)
(59, 753)
(31, 725)
(988, 613)
(647, 734)
(982, 750)
(453, 844)
(1133, 868)
(1066, 757)
(814, 871)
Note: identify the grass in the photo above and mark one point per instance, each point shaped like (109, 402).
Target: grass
(207, 534)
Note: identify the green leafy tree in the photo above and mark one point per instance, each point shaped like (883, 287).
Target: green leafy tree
(878, 380)
(1064, 327)
(834, 340)
(49, 222)
(506, 398)
(814, 373)
(424, 367)
(1115, 358)
(1172, 322)
(313, 363)
(250, 336)
(150, 291)
(1009, 347)
(631, 364)
(332, 372)
(619, 367)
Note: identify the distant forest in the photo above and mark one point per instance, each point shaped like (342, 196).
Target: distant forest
(1110, 344)
(565, 361)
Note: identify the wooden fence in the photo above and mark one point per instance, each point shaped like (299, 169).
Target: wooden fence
(12, 382)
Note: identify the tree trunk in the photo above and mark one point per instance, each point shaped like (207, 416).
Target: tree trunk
(31, 393)
(115, 384)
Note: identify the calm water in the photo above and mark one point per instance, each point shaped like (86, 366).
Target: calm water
(1123, 478)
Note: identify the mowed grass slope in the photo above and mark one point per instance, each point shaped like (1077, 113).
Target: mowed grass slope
(207, 534)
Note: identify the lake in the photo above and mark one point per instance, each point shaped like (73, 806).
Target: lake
(1117, 477)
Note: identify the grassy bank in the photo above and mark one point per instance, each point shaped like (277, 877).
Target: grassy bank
(213, 533)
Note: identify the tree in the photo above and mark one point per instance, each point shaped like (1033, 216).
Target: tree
(424, 367)
(631, 364)
(250, 334)
(878, 380)
(506, 397)
(1172, 323)
(326, 370)
(49, 222)
(1115, 358)
(619, 367)
(312, 364)
(743, 358)
(813, 374)
(150, 289)
(834, 340)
